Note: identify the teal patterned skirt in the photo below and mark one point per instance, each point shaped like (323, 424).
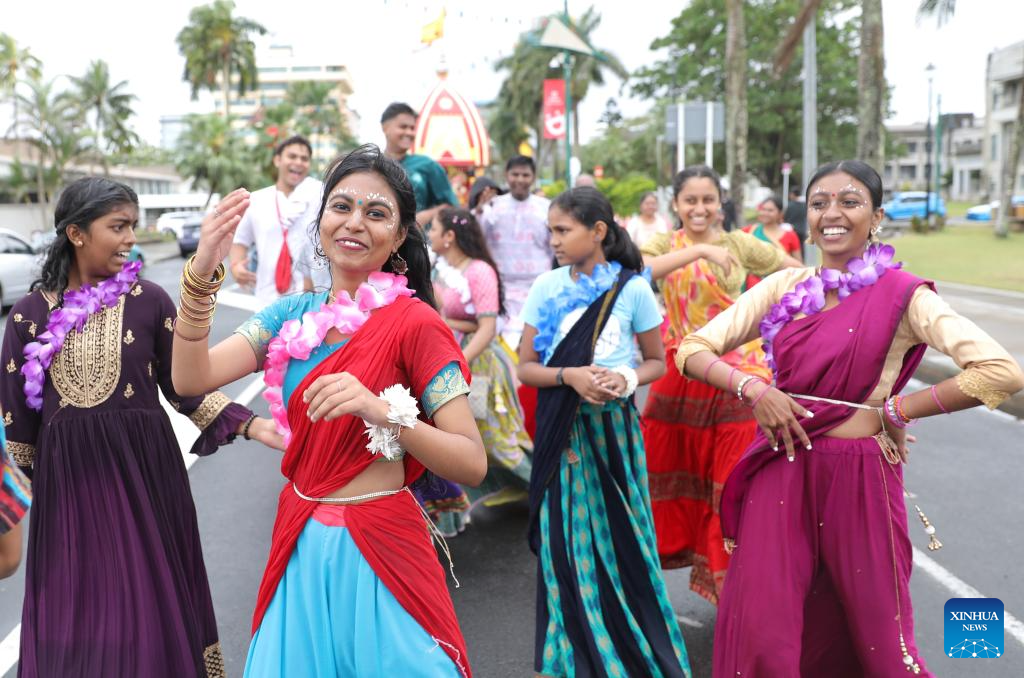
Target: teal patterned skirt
(602, 606)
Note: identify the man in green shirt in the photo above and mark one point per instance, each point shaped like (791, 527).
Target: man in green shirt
(429, 180)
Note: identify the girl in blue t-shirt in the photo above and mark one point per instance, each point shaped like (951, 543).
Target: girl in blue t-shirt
(605, 609)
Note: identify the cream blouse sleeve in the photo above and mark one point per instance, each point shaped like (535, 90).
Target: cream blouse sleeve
(989, 374)
(657, 245)
(739, 323)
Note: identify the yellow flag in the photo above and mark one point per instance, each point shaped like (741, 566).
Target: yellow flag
(434, 30)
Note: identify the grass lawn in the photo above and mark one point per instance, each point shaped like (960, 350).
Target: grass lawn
(965, 254)
(958, 208)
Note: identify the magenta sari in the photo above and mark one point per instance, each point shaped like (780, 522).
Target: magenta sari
(829, 531)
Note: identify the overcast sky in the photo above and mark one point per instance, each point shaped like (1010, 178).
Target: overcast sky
(379, 42)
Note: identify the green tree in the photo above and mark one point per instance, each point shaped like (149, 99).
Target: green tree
(317, 114)
(216, 45)
(214, 156)
(56, 132)
(519, 99)
(694, 69)
(15, 62)
(106, 108)
(943, 11)
(629, 146)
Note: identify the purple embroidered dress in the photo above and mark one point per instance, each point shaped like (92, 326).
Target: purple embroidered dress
(115, 582)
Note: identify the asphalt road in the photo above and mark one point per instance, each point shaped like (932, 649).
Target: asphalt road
(965, 472)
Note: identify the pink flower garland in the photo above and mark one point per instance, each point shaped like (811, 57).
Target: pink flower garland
(298, 339)
(78, 306)
(808, 297)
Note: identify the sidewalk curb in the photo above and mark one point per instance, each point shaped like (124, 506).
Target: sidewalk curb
(933, 370)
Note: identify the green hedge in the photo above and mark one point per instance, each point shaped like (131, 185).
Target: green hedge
(624, 194)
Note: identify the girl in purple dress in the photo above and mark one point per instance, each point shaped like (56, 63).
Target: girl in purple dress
(115, 582)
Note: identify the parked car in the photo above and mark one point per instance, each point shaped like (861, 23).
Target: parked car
(909, 204)
(136, 255)
(173, 222)
(188, 241)
(18, 267)
(985, 212)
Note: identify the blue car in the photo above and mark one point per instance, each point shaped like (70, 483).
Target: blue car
(909, 204)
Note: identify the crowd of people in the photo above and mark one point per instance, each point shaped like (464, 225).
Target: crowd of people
(422, 358)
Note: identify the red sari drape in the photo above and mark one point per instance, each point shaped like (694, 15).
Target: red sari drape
(404, 343)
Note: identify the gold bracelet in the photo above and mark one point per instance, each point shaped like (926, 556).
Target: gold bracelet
(188, 322)
(197, 284)
(210, 307)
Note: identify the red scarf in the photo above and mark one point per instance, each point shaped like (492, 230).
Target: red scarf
(404, 343)
(283, 272)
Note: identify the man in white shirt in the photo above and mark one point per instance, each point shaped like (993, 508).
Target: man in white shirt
(516, 228)
(278, 223)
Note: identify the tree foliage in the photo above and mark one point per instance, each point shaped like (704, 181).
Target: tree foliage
(216, 45)
(215, 155)
(518, 114)
(694, 69)
(106, 109)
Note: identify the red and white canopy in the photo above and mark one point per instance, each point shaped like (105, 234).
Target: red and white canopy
(450, 130)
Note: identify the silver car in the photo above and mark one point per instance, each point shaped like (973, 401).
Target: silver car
(19, 266)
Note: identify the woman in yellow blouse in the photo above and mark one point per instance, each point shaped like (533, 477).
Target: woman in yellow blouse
(694, 433)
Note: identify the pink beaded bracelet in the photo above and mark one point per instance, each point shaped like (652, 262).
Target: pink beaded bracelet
(767, 387)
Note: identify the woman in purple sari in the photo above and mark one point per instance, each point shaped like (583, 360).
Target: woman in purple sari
(818, 584)
(115, 582)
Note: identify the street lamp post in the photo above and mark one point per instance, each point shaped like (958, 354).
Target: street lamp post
(928, 152)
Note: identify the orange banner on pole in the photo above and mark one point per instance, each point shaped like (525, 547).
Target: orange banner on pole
(554, 109)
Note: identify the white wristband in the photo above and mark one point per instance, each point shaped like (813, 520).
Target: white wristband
(403, 412)
(629, 374)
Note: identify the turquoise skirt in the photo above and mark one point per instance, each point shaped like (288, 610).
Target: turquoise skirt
(332, 616)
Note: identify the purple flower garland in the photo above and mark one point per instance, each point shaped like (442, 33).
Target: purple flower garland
(808, 297)
(78, 306)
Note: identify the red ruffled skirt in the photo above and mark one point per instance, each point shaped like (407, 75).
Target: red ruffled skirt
(694, 435)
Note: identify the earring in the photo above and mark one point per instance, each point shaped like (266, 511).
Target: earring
(447, 245)
(398, 264)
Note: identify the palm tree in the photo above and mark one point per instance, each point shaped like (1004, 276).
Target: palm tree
(871, 84)
(317, 112)
(109, 106)
(943, 11)
(50, 118)
(216, 45)
(14, 63)
(736, 102)
(519, 99)
(214, 155)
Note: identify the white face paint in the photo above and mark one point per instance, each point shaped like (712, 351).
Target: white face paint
(362, 201)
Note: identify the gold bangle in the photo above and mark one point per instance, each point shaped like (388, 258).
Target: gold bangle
(197, 284)
(197, 305)
(188, 322)
(196, 313)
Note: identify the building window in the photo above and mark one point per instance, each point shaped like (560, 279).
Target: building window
(274, 69)
(266, 86)
(306, 69)
(995, 146)
(911, 147)
(335, 69)
(908, 172)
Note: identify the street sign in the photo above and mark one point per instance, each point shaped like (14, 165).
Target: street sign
(695, 122)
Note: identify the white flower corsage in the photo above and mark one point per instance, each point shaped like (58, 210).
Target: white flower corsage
(403, 411)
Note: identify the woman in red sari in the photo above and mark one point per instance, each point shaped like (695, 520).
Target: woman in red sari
(353, 585)
(818, 584)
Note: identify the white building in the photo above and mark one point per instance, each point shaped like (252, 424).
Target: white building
(1004, 76)
(907, 171)
(962, 137)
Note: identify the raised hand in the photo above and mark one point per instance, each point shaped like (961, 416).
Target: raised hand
(218, 231)
(242, 275)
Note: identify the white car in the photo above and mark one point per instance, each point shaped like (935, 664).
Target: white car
(174, 222)
(19, 266)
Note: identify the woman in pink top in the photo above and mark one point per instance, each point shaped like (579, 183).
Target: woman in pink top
(471, 296)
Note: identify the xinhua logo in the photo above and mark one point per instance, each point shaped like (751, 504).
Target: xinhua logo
(974, 628)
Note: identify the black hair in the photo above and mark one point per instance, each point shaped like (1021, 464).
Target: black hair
(588, 206)
(296, 139)
(775, 200)
(396, 109)
(81, 202)
(861, 171)
(470, 238)
(645, 196)
(795, 190)
(521, 161)
(368, 158)
(695, 172)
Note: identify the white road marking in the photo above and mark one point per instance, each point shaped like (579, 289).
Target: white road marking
(186, 434)
(9, 649)
(246, 302)
(961, 589)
